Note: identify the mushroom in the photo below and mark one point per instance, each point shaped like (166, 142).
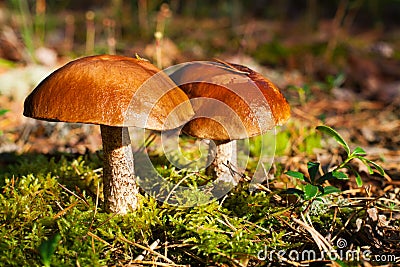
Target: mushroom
(115, 92)
(231, 102)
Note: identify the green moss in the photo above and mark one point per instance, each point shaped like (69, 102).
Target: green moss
(44, 197)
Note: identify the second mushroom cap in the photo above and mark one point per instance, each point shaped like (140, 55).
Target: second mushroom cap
(234, 102)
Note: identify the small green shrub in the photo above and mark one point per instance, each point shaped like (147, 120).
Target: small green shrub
(314, 182)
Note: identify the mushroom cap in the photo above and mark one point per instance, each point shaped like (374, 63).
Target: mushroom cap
(233, 101)
(110, 90)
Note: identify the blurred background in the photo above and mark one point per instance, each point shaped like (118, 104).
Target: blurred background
(301, 35)
(336, 61)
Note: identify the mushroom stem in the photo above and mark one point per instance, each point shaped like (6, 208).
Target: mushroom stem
(223, 156)
(120, 188)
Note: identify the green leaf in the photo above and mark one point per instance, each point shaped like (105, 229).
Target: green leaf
(358, 178)
(293, 191)
(329, 131)
(297, 175)
(3, 111)
(376, 166)
(47, 249)
(330, 189)
(366, 163)
(313, 168)
(325, 177)
(310, 191)
(339, 79)
(330, 175)
(340, 175)
(359, 151)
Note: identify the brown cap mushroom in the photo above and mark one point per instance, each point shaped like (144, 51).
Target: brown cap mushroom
(235, 102)
(115, 92)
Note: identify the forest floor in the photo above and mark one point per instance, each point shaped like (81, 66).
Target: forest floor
(353, 88)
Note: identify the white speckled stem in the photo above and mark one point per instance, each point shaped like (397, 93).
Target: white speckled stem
(225, 161)
(120, 188)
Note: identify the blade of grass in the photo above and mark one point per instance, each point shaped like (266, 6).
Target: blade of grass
(331, 132)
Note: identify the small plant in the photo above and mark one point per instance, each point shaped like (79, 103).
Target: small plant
(332, 82)
(47, 249)
(314, 187)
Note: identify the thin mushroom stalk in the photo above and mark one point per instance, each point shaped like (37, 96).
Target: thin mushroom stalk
(120, 188)
(222, 159)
